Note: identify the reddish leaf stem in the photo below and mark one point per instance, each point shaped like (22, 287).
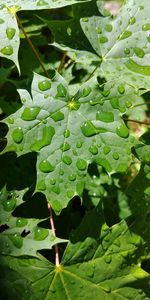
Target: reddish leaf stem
(135, 121)
(54, 233)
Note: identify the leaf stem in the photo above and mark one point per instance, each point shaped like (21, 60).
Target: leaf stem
(140, 104)
(32, 46)
(135, 121)
(57, 263)
(62, 62)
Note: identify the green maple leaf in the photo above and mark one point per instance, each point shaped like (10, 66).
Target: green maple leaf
(11, 240)
(122, 43)
(71, 131)
(9, 31)
(103, 265)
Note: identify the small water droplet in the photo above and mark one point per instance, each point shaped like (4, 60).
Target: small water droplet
(122, 131)
(132, 21)
(106, 149)
(115, 155)
(106, 288)
(56, 189)
(146, 27)
(93, 149)
(10, 33)
(86, 91)
(21, 222)
(30, 113)
(40, 234)
(17, 135)
(125, 35)
(121, 168)
(10, 120)
(57, 116)
(103, 39)
(105, 116)
(79, 144)
(67, 159)
(52, 238)
(66, 133)
(45, 166)
(44, 85)
(52, 181)
(121, 89)
(108, 259)
(84, 19)
(69, 31)
(16, 239)
(70, 194)
(61, 91)
(72, 177)
(61, 172)
(41, 185)
(105, 93)
(41, 3)
(56, 206)
(88, 129)
(108, 27)
(139, 52)
(90, 270)
(81, 164)
(127, 51)
(65, 146)
(98, 30)
(8, 50)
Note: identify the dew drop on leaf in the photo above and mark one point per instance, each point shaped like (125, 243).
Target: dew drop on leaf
(57, 116)
(125, 35)
(86, 91)
(44, 85)
(45, 166)
(30, 113)
(88, 129)
(41, 185)
(52, 181)
(72, 177)
(81, 164)
(65, 146)
(56, 190)
(79, 144)
(146, 27)
(66, 133)
(127, 51)
(16, 239)
(105, 116)
(106, 149)
(9, 204)
(139, 52)
(103, 39)
(121, 89)
(8, 50)
(21, 222)
(56, 206)
(122, 131)
(108, 27)
(10, 33)
(115, 155)
(40, 234)
(61, 91)
(108, 259)
(70, 194)
(67, 159)
(132, 21)
(17, 135)
(93, 149)
(41, 3)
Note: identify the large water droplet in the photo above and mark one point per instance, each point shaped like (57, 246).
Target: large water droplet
(8, 50)
(146, 27)
(108, 27)
(16, 239)
(40, 234)
(44, 85)
(61, 91)
(125, 35)
(105, 116)
(103, 39)
(57, 116)
(30, 113)
(106, 149)
(10, 33)
(86, 91)
(88, 129)
(93, 149)
(56, 206)
(9, 204)
(45, 166)
(72, 177)
(21, 222)
(108, 259)
(67, 159)
(81, 164)
(122, 131)
(48, 133)
(139, 52)
(17, 135)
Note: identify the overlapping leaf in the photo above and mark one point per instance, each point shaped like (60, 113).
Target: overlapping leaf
(9, 32)
(12, 241)
(101, 265)
(71, 131)
(123, 42)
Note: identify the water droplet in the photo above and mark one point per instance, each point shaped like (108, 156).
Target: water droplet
(121, 89)
(90, 270)
(8, 50)
(98, 30)
(17, 135)
(105, 93)
(16, 239)
(84, 19)
(45, 166)
(81, 164)
(106, 288)
(108, 27)
(103, 39)
(65, 146)
(67, 159)
(40, 234)
(52, 181)
(88, 129)
(125, 35)
(10, 120)
(41, 3)
(57, 116)
(72, 177)
(41, 185)
(146, 27)
(86, 91)
(48, 133)
(108, 259)
(105, 116)
(122, 131)
(9, 204)
(30, 113)
(10, 33)
(79, 187)
(132, 21)
(115, 156)
(73, 105)
(2, 21)
(52, 238)
(104, 163)
(79, 144)
(127, 51)
(44, 85)
(66, 133)
(69, 31)
(56, 206)
(70, 194)
(148, 38)
(122, 168)
(139, 52)
(134, 67)
(56, 189)
(21, 222)
(106, 149)
(93, 149)
(61, 91)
